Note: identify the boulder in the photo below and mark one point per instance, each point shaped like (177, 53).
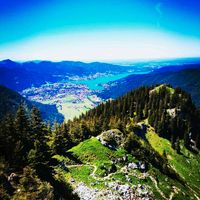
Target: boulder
(111, 138)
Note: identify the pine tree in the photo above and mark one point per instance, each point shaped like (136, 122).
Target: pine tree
(39, 155)
(22, 124)
(22, 127)
(37, 125)
(8, 138)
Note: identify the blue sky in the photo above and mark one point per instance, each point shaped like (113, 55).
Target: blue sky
(99, 30)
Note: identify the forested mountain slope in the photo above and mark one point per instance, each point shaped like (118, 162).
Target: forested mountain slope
(155, 126)
(10, 101)
(170, 111)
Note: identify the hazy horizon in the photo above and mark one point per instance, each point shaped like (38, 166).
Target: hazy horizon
(118, 62)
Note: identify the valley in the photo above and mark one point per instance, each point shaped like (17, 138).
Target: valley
(75, 87)
(70, 99)
(73, 95)
(72, 87)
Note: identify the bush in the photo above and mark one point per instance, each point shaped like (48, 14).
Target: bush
(31, 187)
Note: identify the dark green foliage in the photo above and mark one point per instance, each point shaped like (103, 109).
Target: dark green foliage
(148, 155)
(22, 133)
(132, 142)
(65, 189)
(24, 146)
(31, 187)
(22, 136)
(39, 154)
(62, 140)
(8, 138)
(6, 189)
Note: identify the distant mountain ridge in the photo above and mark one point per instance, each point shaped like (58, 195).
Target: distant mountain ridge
(19, 76)
(176, 68)
(187, 77)
(22, 75)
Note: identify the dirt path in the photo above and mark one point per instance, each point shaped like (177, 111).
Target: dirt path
(93, 173)
(158, 189)
(99, 178)
(78, 165)
(195, 194)
(171, 196)
(175, 190)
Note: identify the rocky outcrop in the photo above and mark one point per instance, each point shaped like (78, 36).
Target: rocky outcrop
(113, 191)
(111, 138)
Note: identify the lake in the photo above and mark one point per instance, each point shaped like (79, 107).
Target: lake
(96, 83)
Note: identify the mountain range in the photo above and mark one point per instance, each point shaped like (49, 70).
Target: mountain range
(19, 76)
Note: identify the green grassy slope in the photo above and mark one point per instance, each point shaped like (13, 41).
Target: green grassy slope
(185, 164)
(96, 164)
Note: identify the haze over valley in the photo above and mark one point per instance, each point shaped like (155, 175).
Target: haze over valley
(73, 87)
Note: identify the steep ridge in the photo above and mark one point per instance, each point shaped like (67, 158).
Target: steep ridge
(153, 153)
(167, 110)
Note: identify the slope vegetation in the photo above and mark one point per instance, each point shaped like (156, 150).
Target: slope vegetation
(144, 144)
(157, 157)
(110, 173)
(10, 101)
